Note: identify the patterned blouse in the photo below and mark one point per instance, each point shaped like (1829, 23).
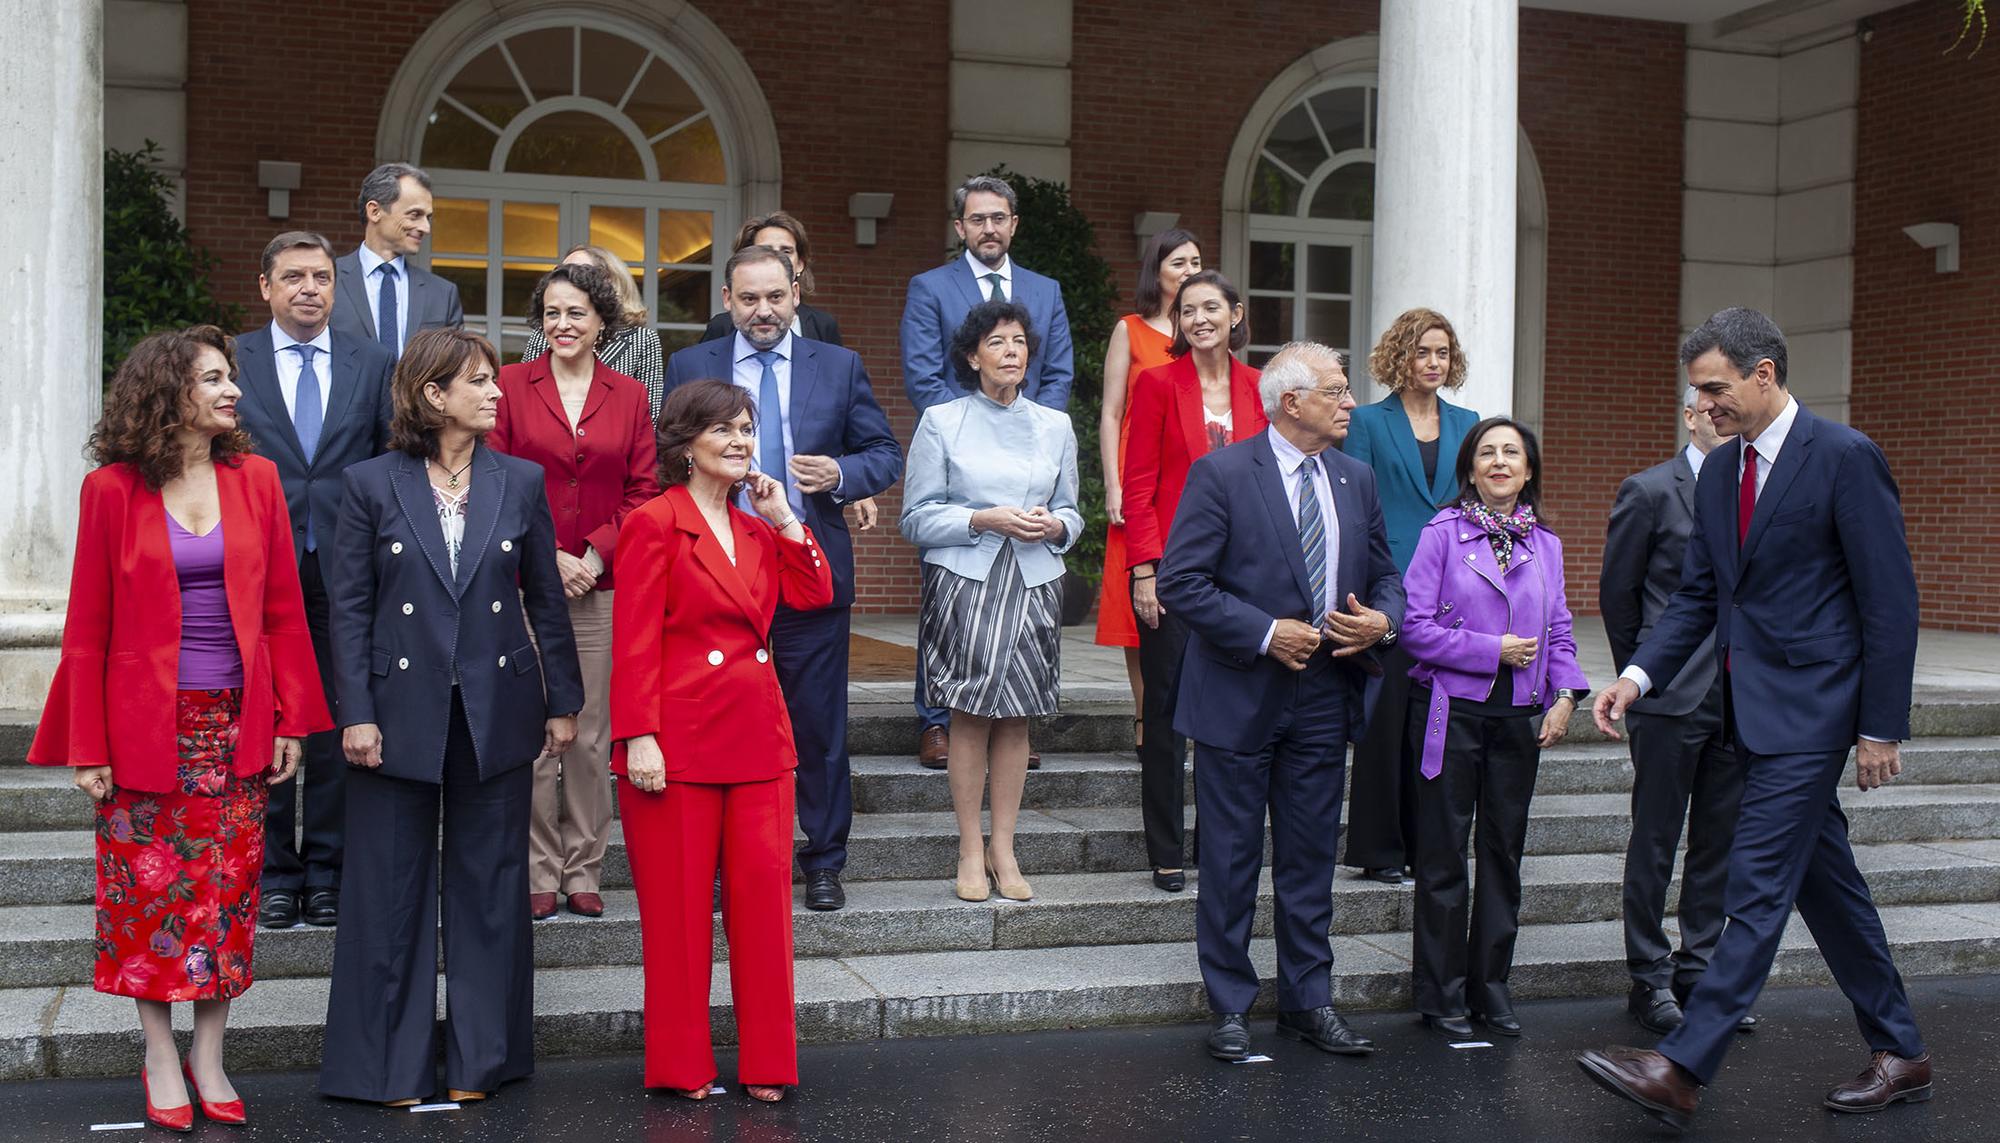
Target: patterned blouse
(633, 351)
(451, 518)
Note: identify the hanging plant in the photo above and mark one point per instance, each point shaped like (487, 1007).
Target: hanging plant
(1975, 13)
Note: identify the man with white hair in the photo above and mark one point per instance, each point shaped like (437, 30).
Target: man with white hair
(1279, 565)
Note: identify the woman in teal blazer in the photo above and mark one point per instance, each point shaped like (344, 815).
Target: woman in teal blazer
(1410, 438)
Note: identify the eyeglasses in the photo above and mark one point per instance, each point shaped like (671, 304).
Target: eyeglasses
(1339, 393)
(977, 221)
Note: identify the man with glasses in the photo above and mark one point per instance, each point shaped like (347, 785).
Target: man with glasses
(1278, 563)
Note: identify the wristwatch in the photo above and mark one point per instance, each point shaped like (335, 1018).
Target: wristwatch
(1388, 638)
(1573, 694)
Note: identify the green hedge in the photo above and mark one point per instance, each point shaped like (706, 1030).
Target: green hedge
(155, 277)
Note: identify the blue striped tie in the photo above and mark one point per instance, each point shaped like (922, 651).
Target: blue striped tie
(1312, 537)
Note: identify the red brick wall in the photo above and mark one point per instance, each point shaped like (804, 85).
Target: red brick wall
(1925, 344)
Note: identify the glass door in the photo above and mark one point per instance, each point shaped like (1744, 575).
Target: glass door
(1308, 285)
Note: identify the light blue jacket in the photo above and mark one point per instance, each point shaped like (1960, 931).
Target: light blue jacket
(976, 453)
(1379, 436)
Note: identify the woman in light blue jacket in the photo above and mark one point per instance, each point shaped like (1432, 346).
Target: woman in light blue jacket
(989, 494)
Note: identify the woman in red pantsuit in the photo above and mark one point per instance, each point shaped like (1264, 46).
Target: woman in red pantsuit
(186, 683)
(703, 741)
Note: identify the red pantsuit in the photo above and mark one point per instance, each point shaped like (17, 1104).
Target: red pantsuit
(691, 666)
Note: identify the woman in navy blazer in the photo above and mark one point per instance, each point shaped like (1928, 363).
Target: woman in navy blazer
(1409, 438)
(443, 700)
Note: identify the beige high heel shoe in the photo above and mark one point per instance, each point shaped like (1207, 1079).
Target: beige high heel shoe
(1018, 890)
(978, 890)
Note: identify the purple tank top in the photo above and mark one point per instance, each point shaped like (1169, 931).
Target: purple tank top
(210, 660)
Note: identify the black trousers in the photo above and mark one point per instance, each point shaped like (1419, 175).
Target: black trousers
(382, 1030)
(810, 649)
(1682, 768)
(1382, 802)
(1489, 769)
(314, 862)
(1163, 756)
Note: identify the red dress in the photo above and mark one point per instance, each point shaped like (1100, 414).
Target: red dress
(1116, 625)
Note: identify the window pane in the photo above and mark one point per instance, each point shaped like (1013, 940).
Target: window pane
(1342, 114)
(1271, 318)
(1261, 356)
(575, 143)
(1271, 266)
(486, 86)
(1294, 142)
(1328, 322)
(469, 275)
(672, 340)
(453, 140)
(687, 236)
(1272, 191)
(692, 154)
(517, 287)
(609, 63)
(1348, 192)
(621, 230)
(459, 225)
(1329, 269)
(663, 98)
(546, 57)
(528, 229)
(685, 296)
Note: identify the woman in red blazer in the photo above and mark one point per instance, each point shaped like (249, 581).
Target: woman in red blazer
(590, 427)
(1201, 400)
(186, 683)
(704, 743)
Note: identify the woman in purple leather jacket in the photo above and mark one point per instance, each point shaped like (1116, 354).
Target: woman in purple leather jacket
(1489, 627)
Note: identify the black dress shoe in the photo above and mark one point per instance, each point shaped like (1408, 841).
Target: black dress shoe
(1324, 1029)
(1502, 1022)
(322, 907)
(1173, 882)
(1230, 1038)
(1385, 875)
(280, 909)
(823, 891)
(1457, 1027)
(1748, 1023)
(1656, 1009)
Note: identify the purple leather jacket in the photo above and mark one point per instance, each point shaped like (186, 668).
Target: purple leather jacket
(1459, 606)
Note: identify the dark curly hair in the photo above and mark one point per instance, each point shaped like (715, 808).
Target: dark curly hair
(982, 320)
(432, 355)
(596, 285)
(686, 414)
(148, 402)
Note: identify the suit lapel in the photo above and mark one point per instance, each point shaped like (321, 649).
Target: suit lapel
(1350, 519)
(419, 285)
(600, 391)
(1271, 488)
(542, 379)
(1403, 442)
(482, 513)
(354, 292)
(1187, 402)
(257, 362)
(1791, 458)
(1479, 557)
(340, 394)
(805, 386)
(708, 550)
(1446, 482)
(1684, 482)
(413, 495)
(241, 544)
(967, 283)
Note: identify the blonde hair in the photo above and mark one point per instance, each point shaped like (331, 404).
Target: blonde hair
(630, 302)
(1389, 362)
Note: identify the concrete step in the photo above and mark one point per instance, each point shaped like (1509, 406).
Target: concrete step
(1604, 767)
(1602, 823)
(74, 1031)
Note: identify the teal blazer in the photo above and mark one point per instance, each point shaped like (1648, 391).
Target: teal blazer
(1379, 436)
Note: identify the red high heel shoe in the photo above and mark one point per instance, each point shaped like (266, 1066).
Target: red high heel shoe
(172, 1118)
(231, 1112)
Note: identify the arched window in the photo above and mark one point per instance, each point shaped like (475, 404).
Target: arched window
(548, 136)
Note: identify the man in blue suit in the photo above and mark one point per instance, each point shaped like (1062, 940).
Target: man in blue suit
(384, 295)
(1277, 542)
(1798, 567)
(984, 215)
(315, 401)
(821, 432)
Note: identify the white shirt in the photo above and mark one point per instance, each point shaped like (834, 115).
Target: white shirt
(980, 269)
(373, 281)
(1290, 462)
(1694, 458)
(288, 362)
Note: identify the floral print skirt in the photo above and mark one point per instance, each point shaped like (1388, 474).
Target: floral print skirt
(178, 873)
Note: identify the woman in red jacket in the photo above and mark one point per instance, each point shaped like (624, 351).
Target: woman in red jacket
(703, 740)
(1203, 399)
(591, 429)
(186, 683)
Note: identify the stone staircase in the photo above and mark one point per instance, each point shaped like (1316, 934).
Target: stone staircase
(1098, 945)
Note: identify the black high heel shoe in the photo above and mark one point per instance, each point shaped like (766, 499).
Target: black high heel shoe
(1457, 1027)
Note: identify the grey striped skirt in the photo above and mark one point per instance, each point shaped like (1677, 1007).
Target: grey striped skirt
(990, 647)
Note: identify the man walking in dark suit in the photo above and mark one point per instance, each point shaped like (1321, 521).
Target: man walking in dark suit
(1798, 567)
(984, 215)
(384, 296)
(315, 400)
(1278, 540)
(820, 431)
(1679, 753)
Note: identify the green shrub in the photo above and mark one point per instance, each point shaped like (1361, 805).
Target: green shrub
(154, 275)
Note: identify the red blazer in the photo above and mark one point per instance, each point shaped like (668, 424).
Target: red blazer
(597, 473)
(1167, 437)
(691, 640)
(112, 702)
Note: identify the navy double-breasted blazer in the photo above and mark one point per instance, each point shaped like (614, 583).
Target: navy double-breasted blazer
(405, 627)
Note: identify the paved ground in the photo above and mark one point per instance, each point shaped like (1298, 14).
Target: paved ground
(1152, 1085)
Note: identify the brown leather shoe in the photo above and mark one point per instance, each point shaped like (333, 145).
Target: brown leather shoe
(586, 904)
(934, 748)
(541, 906)
(1648, 1079)
(1887, 1079)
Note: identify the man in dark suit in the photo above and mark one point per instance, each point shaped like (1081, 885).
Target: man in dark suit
(1798, 567)
(384, 296)
(1278, 540)
(821, 432)
(315, 401)
(1679, 753)
(983, 214)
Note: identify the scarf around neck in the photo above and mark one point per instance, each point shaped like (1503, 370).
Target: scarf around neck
(1500, 530)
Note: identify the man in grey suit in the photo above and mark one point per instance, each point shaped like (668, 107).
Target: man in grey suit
(1680, 754)
(315, 400)
(384, 296)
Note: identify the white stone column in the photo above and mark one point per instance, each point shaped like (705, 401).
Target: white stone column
(1445, 180)
(52, 264)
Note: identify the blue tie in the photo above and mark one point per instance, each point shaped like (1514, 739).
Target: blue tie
(307, 418)
(1312, 539)
(771, 423)
(387, 329)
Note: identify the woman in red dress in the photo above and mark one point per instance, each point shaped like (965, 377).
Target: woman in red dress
(186, 683)
(703, 741)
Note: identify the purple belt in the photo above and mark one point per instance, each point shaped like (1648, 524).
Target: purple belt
(1434, 727)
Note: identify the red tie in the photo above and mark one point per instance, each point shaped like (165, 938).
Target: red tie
(1746, 498)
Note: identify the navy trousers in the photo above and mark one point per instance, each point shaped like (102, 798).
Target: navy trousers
(1791, 847)
(314, 862)
(1297, 777)
(810, 649)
